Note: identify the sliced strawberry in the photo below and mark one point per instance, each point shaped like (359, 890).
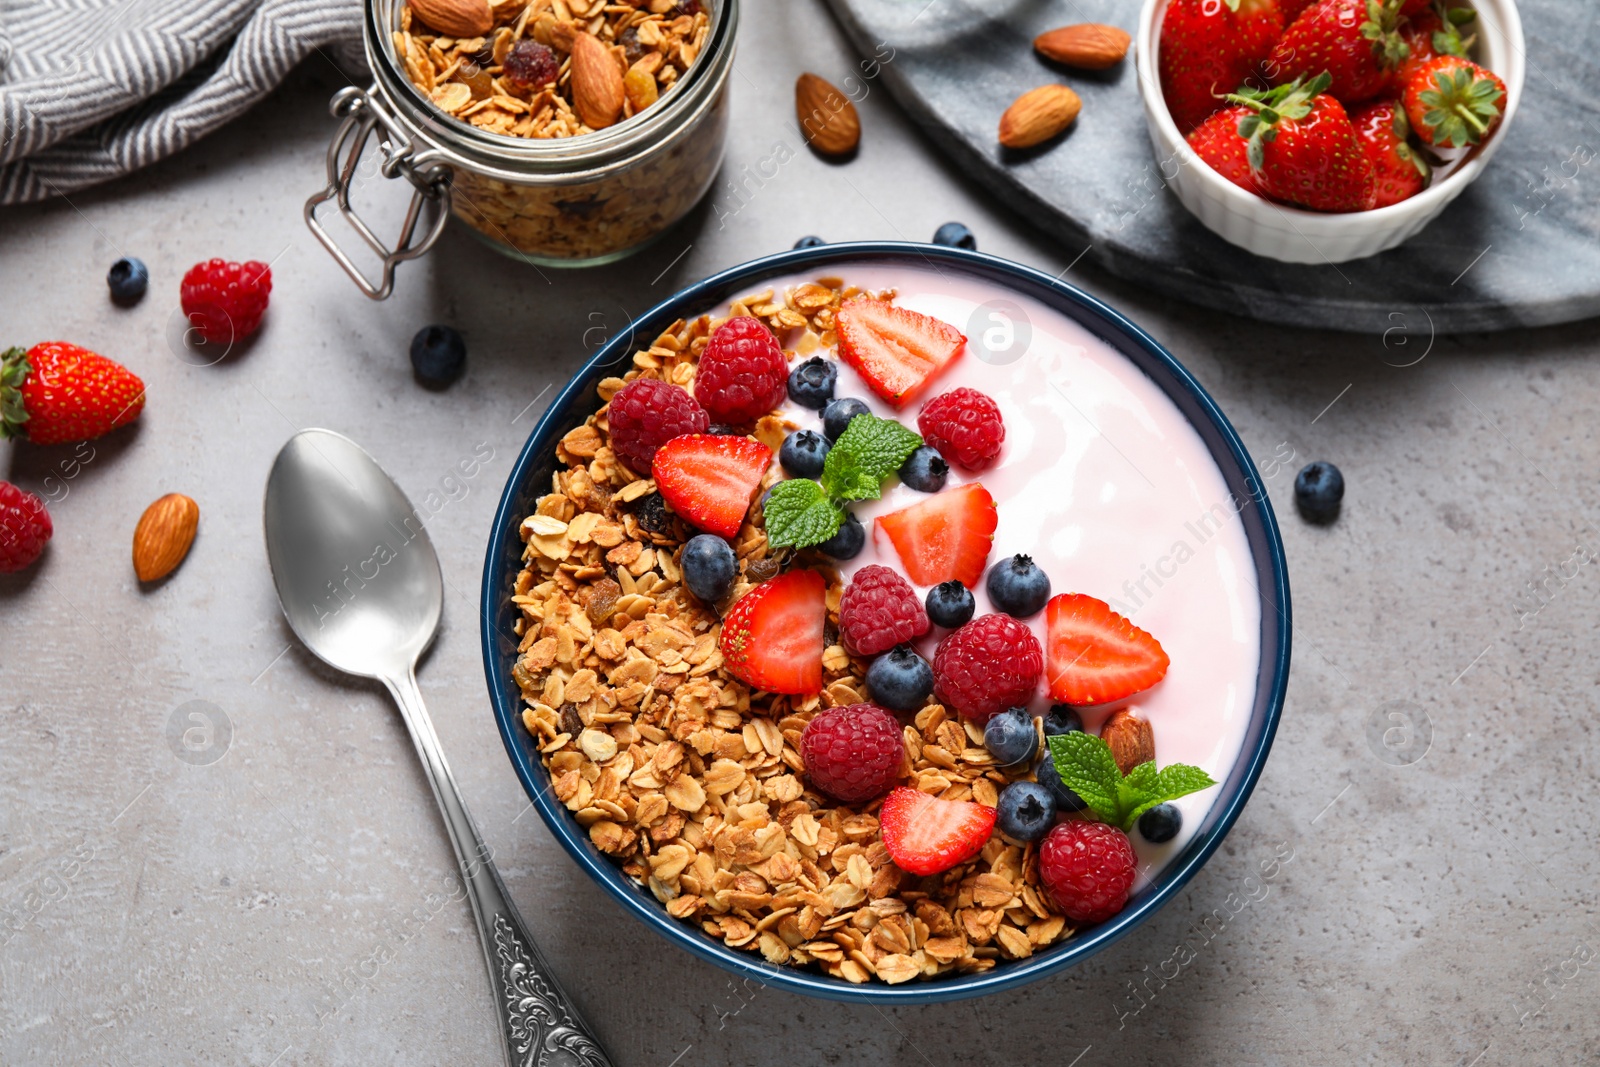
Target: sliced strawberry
(1094, 655)
(772, 639)
(926, 835)
(894, 348)
(708, 478)
(947, 536)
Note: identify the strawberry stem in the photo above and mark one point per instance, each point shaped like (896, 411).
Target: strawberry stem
(14, 370)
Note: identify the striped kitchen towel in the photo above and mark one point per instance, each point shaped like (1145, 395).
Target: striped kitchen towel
(93, 89)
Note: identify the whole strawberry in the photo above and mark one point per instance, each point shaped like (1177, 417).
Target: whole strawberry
(1356, 42)
(1399, 172)
(224, 301)
(1428, 34)
(1303, 148)
(1209, 48)
(1452, 102)
(1217, 142)
(24, 528)
(56, 392)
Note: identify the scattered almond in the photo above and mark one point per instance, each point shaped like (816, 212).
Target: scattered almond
(827, 117)
(1038, 115)
(163, 536)
(597, 91)
(455, 18)
(1087, 45)
(1130, 738)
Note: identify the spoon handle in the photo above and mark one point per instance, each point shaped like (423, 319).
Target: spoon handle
(539, 1025)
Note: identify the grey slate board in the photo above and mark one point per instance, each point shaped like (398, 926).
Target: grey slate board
(1520, 247)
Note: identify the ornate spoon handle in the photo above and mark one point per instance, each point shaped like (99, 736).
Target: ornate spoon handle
(538, 1023)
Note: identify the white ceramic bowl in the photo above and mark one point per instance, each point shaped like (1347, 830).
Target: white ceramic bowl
(1294, 235)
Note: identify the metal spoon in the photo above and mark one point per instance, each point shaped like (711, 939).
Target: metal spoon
(359, 582)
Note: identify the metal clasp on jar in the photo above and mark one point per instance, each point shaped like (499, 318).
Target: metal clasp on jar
(430, 178)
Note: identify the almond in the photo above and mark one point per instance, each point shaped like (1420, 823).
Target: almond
(827, 117)
(597, 92)
(1038, 115)
(1131, 739)
(455, 18)
(163, 536)
(1087, 45)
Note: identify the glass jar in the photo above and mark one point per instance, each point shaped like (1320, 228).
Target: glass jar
(560, 201)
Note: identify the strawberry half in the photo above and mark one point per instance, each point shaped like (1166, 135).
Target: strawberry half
(772, 639)
(708, 478)
(947, 536)
(926, 835)
(1095, 656)
(895, 349)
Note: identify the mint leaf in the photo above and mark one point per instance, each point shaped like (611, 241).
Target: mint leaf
(845, 479)
(875, 447)
(1171, 782)
(1085, 766)
(798, 513)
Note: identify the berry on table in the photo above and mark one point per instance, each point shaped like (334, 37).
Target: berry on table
(811, 382)
(1018, 586)
(647, 413)
(848, 542)
(1011, 737)
(1088, 867)
(128, 279)
(709, 567)
(809, 241)
(853, 753)
(1026, 811)
(925, 470)
(1318, 491)
(965, 426)
(1062, 719)
(55, 393)
(532, 65)
(802, 453)
(879, 610)
(990, 664)
(224, 301)
(709, 480)
(895, 349)
(950, 604)
(438, 355)
(1066, 800)
(742, 374)
(928, 835)
(945, 537)
(1161, 824)
(837, 415)
(1096, 655)
(24, 528)
(955, 235)
(773, 637)
(900, 679)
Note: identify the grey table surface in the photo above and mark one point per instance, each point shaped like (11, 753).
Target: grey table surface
(1433, 895)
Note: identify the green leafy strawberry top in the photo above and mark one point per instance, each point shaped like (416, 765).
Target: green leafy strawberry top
(14, 370)
(1086, 767)
(1462, 107)
(801, 512)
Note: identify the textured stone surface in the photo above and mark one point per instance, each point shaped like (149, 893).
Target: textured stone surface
(959, 63)
(281, 904)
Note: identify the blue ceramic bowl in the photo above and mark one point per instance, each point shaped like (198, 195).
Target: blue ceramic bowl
(530, 479)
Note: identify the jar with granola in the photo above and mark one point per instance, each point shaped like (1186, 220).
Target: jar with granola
(561, 132)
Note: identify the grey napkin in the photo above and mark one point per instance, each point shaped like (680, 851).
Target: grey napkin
(93, 89)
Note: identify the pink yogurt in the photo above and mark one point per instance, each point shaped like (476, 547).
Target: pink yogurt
(1107, 486)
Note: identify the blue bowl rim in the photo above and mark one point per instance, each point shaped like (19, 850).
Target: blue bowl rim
(1100, 319)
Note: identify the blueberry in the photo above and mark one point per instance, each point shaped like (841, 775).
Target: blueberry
(1318, 489)
(802, 454)
(128, 279)
(925, 470)
(1026, 811)
(1011, 737)
(1161, 824)
(438, 355)
(848, 542)
(809, 242)
(811, 383)
(837, 415)
(722, 429)
(956, 235)
(900, 679)
(1066, 799)
(950, 604)
(1062, 719)
(709, 567)
(1018, 586)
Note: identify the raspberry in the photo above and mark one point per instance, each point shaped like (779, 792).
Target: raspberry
(879, 610)
(742, 373)
(964, 425)
(1088, 867)
(990, 664)
(224, 301)
(646, 414)
(531, 64)
(25, 527)
(853, 754)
